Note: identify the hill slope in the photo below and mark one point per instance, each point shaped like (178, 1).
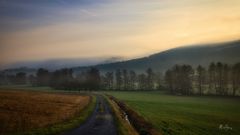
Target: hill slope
(228, 52)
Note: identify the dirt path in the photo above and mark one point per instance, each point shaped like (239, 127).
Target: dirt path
(101, 122)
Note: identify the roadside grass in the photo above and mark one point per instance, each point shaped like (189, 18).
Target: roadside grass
(185, 115)
(123, 127)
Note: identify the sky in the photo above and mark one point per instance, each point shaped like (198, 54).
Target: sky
(35, 30)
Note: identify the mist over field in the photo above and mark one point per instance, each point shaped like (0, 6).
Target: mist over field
(62, 63)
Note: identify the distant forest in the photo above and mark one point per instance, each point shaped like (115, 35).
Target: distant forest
(216, 79)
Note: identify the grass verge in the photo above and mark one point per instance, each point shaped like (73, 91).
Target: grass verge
(123, 127)
(142, 126)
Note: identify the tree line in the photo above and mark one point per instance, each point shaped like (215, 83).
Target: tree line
(218, 79)
(91, 79)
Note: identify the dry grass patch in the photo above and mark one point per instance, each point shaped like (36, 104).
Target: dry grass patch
(22, 111)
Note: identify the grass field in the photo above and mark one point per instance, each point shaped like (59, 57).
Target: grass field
(22, 111)
(181, 115)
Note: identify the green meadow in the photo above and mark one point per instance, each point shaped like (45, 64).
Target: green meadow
(186, 115)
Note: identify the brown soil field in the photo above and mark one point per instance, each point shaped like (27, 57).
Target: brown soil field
(22, 111)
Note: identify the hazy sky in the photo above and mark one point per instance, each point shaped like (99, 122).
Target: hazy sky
(51, 29)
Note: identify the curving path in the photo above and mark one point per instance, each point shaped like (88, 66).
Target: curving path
(101, 121)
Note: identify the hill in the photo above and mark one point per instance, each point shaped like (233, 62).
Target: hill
(228, 52)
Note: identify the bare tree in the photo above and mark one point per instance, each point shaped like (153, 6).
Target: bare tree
(150, 77)
(219, 78)
(169, 81)
(158, 80)
(201, 77)
(179, 79)
(43, 77)
(125, 79)
(225, 79)
(109, 80)
(132, 80)
(119, 79)
(142, 79)
(235, 78)
(212, 77)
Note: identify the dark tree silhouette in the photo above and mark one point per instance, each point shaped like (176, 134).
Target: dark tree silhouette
(32, 80)
(149, 79)
(21, 78)
(125, 79)
(43, 77)
(187, 77)
(158, 80)
(2, 79)
(62, 79)
(93, 79)
(225, 79)
(179, 79)
(132, 80)
(169, 81)
(79, 81)
(142, 82)
(212, 77)
(219, 78)
(109, 80)
(119, 79)
(201, 78)
(235, 78)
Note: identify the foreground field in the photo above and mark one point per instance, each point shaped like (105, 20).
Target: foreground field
(22, 111)
(179, 115)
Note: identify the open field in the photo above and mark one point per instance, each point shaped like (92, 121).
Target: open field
(22, 111)
(181, 115)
